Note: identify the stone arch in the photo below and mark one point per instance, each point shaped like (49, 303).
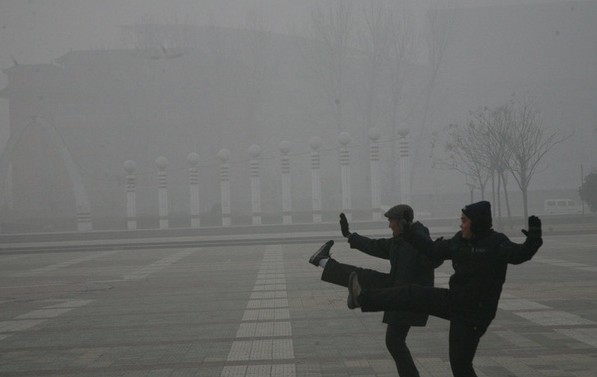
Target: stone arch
(54, 139)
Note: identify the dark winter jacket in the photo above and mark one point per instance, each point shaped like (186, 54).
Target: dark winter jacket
(480, 265)
(407, 266)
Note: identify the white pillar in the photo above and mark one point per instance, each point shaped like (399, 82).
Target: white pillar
(162, 163)
(254, 152)
(404, 168)
(83, 219)
(193, 160)
(374, 135)
(315, 143)
(344, 138)
(131, 194)
(224, 156)
(286, 193)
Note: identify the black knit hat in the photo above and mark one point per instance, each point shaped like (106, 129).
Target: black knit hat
(480, 215)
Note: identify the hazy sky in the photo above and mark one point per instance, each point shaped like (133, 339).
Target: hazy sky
(35, 31)
(39, 31)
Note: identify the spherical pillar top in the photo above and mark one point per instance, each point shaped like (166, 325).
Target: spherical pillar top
(193, 159)
(254, 151)
(129, 166)
(374, 133)
(161, 162)
(284, 146)
(315, 143)
(224, 155)
(344, 138)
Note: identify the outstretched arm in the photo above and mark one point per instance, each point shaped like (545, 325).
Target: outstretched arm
(518, 253)
(379, 248)
(432, 252)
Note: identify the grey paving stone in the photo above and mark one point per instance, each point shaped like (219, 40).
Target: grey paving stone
(77, 314)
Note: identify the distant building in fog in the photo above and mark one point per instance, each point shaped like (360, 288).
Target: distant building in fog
(200, 90)
(227, 89)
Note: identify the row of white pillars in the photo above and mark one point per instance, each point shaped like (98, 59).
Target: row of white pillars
(254, 172)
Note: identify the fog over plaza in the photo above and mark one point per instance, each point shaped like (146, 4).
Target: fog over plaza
(87, 85)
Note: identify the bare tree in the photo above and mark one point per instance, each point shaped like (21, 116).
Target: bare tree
(375, 42)
(440, 26)
(496, 124)
(465, 153)
(481, 152)
(328, 59)
(260, 61)
(387, 42)
(529, 144)
(506, 139)
(402, 35)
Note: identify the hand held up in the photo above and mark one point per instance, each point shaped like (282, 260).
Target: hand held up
(534, 228)
(344, 225)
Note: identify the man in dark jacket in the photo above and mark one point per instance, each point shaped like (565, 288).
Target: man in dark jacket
(407, 266)
(480, 258)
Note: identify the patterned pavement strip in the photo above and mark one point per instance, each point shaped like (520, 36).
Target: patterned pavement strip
(259, 321)
(263, 311)
(36, 317)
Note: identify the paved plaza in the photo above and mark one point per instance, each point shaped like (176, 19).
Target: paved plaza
(263, 311)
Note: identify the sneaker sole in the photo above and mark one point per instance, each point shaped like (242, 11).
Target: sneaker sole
(323, 247)
(351, 300)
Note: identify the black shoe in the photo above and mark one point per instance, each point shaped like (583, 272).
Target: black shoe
(354, 290)
(323, 252)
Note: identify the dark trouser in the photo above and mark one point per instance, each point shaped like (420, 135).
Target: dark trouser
(464, 337)
(396, 343)
(338, 273)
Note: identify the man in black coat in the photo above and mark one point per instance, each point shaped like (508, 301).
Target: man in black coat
(407, 266)
(480, 258)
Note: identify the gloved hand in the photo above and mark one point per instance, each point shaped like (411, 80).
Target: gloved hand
(534, 228)
(344, 225)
